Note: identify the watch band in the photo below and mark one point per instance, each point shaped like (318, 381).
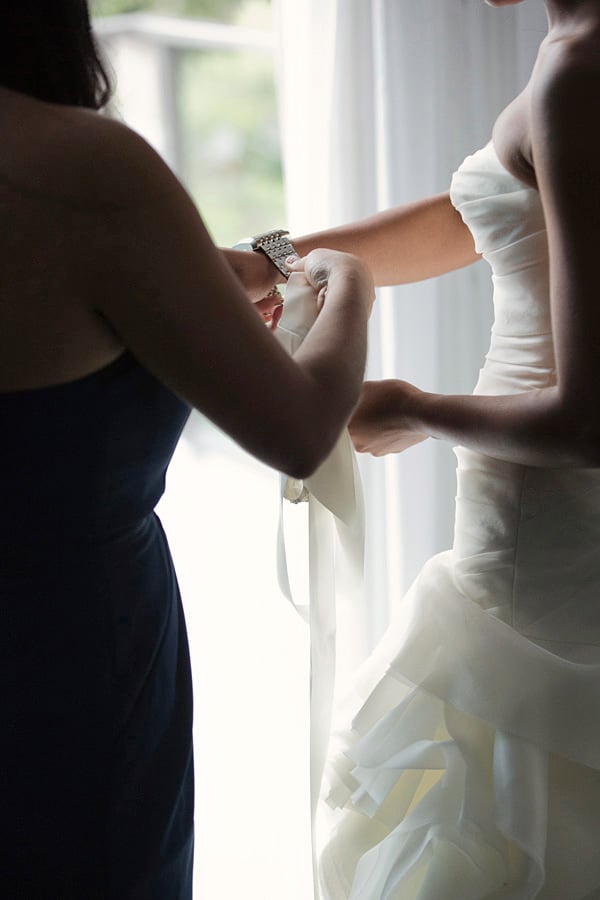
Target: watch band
(277, 246)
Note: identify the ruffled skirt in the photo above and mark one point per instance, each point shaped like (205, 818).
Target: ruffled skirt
(471, 769)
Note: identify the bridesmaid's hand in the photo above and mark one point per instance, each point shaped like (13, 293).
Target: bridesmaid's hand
(381, 422)
(322, 266)
(270, 308)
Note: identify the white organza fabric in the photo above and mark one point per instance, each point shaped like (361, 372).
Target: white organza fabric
(471, 767)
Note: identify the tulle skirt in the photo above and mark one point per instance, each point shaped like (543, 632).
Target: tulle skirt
(471, 769)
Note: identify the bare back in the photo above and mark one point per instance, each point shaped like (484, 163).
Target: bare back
(47, 334)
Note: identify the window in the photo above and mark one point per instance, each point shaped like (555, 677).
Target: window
(203, 93)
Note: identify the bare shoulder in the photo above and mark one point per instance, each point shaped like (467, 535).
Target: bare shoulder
(566, 84)
(114, 163)
(79, 158)
(565, 126)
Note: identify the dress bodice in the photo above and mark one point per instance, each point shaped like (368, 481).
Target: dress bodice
(95, 684)
(506, 219)
(85, 459)
(521, 532)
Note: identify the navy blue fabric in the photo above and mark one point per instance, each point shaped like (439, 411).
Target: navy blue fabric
(96, 771)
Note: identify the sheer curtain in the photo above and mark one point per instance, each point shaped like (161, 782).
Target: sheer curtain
(380, 101)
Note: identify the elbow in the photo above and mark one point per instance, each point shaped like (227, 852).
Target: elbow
(587, 448)
(305, 450)
(301, 469)
(303, 460)
(311, 432)
(585, 431)
(568, 432)
(577, 436)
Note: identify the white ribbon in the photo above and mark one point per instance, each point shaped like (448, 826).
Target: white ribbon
(336, 540)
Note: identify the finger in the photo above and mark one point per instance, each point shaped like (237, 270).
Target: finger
(294, 264)
(277, 313)
(268, 303)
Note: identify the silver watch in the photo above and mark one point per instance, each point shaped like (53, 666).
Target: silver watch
(274, 244)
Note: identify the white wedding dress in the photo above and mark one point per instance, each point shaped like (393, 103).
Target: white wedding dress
(471, 768)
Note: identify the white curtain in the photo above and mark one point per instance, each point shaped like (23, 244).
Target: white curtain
(380, 101)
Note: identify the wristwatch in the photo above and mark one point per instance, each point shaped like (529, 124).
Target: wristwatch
(274, 244)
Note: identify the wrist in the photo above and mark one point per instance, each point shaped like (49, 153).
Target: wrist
(355, 281)
(269, 251)
(269, 271)
(420, 411)
(407, 408)
(277, 247)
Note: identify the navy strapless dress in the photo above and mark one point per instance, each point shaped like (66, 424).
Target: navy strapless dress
(96, 770)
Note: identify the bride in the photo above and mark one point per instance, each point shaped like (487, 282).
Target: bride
(471, 766)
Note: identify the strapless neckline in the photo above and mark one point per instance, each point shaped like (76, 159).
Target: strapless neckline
(121, 362)
(490, 151)
(506, 170)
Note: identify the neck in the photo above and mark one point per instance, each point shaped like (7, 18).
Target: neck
(563, 11)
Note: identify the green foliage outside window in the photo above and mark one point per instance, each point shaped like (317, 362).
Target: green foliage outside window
(213, 10)
(227, 120)
(230, 141)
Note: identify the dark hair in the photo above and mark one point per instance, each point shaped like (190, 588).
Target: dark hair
(47, 50)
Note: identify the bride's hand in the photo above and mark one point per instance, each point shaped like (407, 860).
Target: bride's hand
(270, 308)
(255, 270)
(259, 278)
(381, 422)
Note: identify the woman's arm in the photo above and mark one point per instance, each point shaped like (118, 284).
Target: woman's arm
(403, 245)
(406, 244)
(171, 298)
(556, 426)
(528, 428)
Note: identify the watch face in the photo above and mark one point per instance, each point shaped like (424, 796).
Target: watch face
(244, 244)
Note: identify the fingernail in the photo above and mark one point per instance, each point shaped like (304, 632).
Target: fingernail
(291, 259)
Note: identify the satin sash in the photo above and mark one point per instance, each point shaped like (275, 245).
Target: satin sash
(336, 542)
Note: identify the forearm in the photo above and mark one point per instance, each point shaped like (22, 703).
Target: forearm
(410, 243)
(537, 428)
(407, 244)
(333, 353)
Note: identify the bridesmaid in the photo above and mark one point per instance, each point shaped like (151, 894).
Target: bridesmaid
(117, 315)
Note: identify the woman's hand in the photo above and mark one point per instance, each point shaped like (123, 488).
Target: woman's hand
(259, 278)
(255, 270)
(381, 422)
(323, 267)
(270, 308)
